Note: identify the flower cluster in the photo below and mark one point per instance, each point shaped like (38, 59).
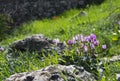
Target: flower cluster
(86, 42)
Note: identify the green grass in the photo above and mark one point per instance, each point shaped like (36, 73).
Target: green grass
(100, 20)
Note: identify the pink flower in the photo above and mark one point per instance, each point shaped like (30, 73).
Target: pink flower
(92, 46)
(1, 49)
(96, 43)
(85, 48)
(78, 37)
(104, 46)
(92, 36)
(119, 22)
(70, 42)
(87, 39)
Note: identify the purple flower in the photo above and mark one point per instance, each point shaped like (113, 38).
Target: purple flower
(74, 40)
(104, 46)
(87, 39)
(119, 22)
(92, 46)
(70, 42)
(78, 37)
(82, 45)
(93, 36)
(56, 41)
(1, 49)
(96, 43)
(85, 48)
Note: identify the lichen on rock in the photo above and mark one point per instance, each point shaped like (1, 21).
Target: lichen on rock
(54, 73)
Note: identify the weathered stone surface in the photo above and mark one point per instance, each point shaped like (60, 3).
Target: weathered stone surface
(36, 43)
(23, 10)
(54, 73)
(118, 77)
(112, 59)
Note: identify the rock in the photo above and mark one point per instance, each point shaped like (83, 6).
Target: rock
(54, 73)
(112, 59)
(80, 14)
(33, 43)
(95, 1)
(118, 77)
(36, 43)
(24, 10)
(115, 58)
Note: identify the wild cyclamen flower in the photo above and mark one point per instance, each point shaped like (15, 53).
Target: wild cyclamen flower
(74, 40)
(92, 46)
(92, 36)
(70, 42)
(85, 48)
(1, 49)
(56, 41)
(87, 39)
(119, 22)
(96, 43)
(78, 37)
(104, 46)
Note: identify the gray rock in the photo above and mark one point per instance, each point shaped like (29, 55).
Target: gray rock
(80, 14)
(36, 43)
(112, 59)
(24, 10)
(54, 73)
(118, 77)
(33, 43)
